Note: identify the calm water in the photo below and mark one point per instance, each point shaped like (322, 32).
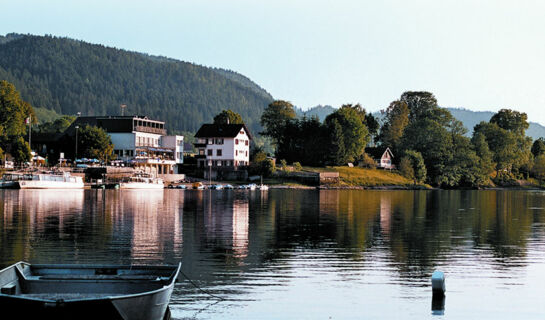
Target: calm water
(290, 254)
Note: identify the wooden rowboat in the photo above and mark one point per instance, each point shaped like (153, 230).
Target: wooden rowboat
(86, 291)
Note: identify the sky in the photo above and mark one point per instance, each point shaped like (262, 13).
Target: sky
(473, 54)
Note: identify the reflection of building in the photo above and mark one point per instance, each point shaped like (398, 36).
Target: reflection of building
(385, 212)
(241, 210)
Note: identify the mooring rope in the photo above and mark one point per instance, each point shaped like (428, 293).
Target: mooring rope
(200, 289)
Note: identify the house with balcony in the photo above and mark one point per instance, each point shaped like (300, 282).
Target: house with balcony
(222, 148)
(139, 141)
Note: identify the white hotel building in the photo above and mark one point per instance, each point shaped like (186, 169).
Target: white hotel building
(223, 146)
(140, 141)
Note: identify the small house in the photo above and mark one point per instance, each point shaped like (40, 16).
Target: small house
(383, 157)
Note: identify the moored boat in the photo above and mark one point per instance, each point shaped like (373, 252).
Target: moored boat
(86, 291)
(142, 182)
(49, 180)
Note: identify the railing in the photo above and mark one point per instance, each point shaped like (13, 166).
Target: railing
(150, 130)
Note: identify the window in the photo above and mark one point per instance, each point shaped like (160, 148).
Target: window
(209, 152)
(236, 152)
(236, 141)
(218, 163)
(241, 131)
(246, 142)
(246, 153)
(201, 152)
(210, 141)
(218, 152)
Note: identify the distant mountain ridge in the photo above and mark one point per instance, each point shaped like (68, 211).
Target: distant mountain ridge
(70, 76)
(468, 117)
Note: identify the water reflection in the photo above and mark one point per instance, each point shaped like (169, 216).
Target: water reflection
(271, 248)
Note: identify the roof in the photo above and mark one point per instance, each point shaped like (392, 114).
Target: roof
(209, 130)
(377, 152)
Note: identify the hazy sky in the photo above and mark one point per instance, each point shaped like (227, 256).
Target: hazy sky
(480, 55)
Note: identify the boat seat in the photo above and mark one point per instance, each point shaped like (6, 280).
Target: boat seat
(100, 277)
(9, 288)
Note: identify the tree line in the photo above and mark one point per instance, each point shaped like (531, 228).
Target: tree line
(428, 143)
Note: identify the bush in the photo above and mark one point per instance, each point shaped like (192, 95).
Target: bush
(367, 162)
(297, 166)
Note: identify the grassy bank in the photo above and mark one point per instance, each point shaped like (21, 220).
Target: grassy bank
(368, 178)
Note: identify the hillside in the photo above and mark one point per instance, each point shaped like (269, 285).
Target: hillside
(69, 76)
(471, 118)
(321, 111)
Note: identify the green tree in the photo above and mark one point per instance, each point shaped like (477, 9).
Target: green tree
(485, 163)
(354, 132)
(275, 118)
(337, 153)
(511, 120)
(397, 118)
(20, 151)
(94, 142)
(538, 147)
(57, 126)
(538, 169)
(13, 112)
(228, 116)
(412, 166)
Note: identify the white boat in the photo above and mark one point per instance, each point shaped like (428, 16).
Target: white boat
(142, 182)
(53, 180)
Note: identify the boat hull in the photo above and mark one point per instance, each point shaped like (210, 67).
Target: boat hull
(86, 292)
(140, 185)
(37, 184)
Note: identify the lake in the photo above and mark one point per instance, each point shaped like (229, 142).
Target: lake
(300, 254)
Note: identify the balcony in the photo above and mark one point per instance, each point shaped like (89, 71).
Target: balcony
(150, 130)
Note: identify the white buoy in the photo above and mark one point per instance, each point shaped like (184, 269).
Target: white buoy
(438, 283)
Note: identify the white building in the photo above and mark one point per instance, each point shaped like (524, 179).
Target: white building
(141, 141)
(223, 146)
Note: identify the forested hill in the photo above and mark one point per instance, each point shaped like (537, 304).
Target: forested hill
(70, 76)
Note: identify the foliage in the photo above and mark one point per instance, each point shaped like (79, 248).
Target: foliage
(397, 118)
(57, 126)
(510, 120)
(275, 118)
(366, 161)
(538, 147)
(485, 160)
(511, 148)
(70, 76)
(538, 169)
(297, 166)
(228, 117)
(413, 166)
(303, 140)
(355, 136)
(94, 142)
(45, 115)
(283, 165)
(337, 154)
(20, 151)
(13, 112)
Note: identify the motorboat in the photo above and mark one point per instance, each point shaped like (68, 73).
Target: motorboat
(141, 182)
(30, 291)
(49, 180)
